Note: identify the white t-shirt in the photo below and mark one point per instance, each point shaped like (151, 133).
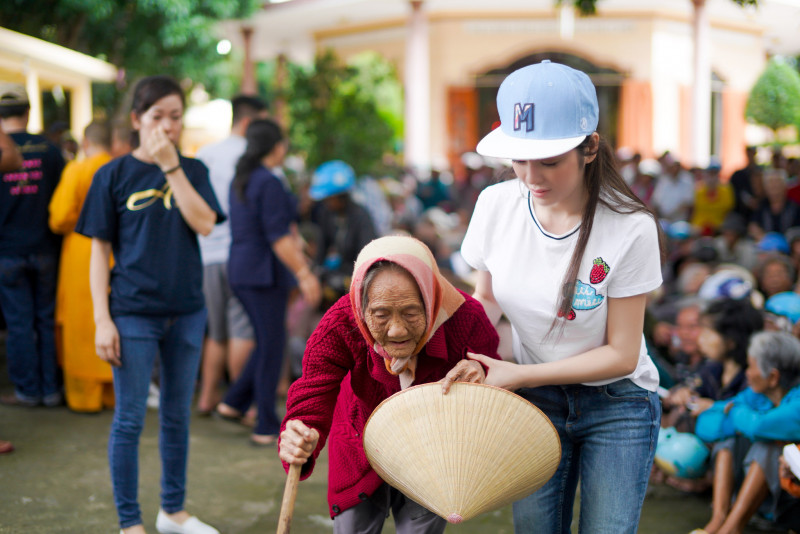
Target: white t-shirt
(528, 264)
(221, 159)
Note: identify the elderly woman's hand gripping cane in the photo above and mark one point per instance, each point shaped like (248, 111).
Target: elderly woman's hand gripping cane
(297, 444)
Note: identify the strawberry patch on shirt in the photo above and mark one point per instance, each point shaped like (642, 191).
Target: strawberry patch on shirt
(599, 271)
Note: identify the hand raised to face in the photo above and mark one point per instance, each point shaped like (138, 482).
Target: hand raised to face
(161, 149)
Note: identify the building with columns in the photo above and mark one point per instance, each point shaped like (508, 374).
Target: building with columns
(43, 66)
(641, 54)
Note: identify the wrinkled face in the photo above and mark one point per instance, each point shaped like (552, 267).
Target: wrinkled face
(395, 313)
(553, 181)
(755, 379)
(166, 113)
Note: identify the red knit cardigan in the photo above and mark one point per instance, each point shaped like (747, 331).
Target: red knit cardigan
(338, 364)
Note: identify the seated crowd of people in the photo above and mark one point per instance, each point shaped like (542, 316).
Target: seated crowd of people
(723, 331)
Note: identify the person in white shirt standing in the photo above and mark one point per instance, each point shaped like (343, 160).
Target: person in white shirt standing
(568, 253)
(229, 337)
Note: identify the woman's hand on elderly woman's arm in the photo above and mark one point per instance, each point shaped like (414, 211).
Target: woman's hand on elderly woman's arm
(298, 442)
(464, 371)
(500, 373)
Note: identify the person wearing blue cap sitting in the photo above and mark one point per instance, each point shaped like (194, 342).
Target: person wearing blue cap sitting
(568, 253)
(344, 227)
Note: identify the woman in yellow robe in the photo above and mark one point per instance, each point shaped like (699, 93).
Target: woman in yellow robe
(87, 379)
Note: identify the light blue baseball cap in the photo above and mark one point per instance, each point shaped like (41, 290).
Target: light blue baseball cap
(545, 110)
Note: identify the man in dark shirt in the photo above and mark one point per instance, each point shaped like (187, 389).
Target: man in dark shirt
(28, 258)
(343, 227)
(747, 187)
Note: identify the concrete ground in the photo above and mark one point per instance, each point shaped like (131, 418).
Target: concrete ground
(57, 481)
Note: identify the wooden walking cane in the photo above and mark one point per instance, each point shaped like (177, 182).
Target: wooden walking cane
(289, 495)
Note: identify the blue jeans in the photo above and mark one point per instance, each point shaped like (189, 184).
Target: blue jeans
(28, 300)
(608, 441)
(178, 341)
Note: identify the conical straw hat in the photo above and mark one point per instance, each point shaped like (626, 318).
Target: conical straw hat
(459, 455)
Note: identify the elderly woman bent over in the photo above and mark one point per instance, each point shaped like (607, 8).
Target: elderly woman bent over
(402, 324)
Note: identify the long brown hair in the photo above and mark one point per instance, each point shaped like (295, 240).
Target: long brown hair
(604, 185)
(262, 135)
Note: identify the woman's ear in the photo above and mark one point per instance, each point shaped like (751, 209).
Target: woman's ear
(592, 149)
(135, 122)
(773, 378)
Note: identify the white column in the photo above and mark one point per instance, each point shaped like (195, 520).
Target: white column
(35, 120)
(566, 21)
(701, 91)
(417, 89)
(81, 108)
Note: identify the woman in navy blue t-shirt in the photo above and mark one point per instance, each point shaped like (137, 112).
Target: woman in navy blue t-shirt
(147, 208)
(265, 260)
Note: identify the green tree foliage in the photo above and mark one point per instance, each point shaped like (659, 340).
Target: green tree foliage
(143, 37)
(775, 99)
(334, 114)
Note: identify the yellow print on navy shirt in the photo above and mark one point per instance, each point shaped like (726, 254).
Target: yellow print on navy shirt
(142, 199)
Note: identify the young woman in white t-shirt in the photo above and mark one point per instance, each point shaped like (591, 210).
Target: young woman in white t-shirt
(568, 253)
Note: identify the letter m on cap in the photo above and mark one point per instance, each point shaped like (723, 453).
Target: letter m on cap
(523, 113)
